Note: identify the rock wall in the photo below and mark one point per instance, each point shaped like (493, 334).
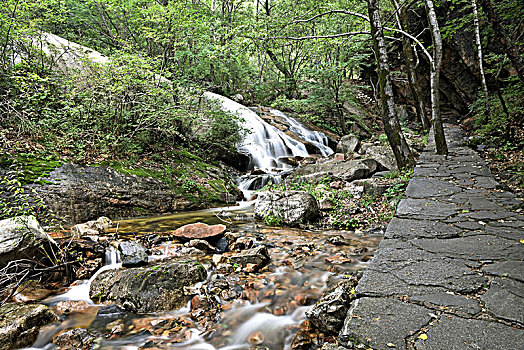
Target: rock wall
(78, 193)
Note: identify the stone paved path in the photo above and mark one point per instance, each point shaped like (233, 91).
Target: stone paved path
(449, 273)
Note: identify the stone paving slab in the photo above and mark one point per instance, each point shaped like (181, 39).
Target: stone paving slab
(449, 273)
(454, 333)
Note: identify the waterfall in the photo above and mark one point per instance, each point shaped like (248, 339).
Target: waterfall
(266, 145)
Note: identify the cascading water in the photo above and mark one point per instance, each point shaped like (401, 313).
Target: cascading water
(267, 146)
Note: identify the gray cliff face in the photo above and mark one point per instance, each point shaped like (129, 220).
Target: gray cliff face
(78, 193)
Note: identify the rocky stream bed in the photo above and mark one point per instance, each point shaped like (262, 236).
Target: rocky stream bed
(250, 286)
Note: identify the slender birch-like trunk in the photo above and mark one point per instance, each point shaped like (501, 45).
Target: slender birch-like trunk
(401, 150)
(479, 52)
(403, 24)
(438, 129)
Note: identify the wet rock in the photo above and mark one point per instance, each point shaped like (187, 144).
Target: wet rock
(337, 240)
(329, 312)
(68, 306)
(133, 254)
(31, 291)
(347, 170)
(149, 289)
(19, 324)
(23, 237)
(78, 338)
(339, 156)
(82, 230)
(347, 144)
(243, 243)
(289, 208)
(200, 230)
(222, 245)
(108, 314)
(88, 269)
(91, 228)
(200, 244)
(78, 193)
(258, 256)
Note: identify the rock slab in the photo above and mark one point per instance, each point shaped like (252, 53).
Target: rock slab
(291, 208)
(19, 324)
(23, 237)
(154, 288)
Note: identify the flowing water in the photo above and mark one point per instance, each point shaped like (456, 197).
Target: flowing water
(267, 308)
(268, 146)
(264, 308)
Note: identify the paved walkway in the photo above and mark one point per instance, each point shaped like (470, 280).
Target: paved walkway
(449, 273)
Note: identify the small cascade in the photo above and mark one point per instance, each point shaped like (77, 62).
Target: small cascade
(80, 290)
(267, 146)
(112, 256)
(316, 138)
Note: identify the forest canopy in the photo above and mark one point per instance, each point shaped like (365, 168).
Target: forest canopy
(313, 57)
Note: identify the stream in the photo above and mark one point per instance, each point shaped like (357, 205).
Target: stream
(254, 309)
(266, 308)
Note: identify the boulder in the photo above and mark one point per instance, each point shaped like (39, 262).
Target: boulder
(200, 244)
(23, 238)
(382, 154)
(78, 193)
(20, 324)
(200, 230)
(257, 257)
(133, 254)
(290, 208)
(348, 144)
(147, 289)
(82, 230)
(78, 338)
(329, 312)
(347, 170)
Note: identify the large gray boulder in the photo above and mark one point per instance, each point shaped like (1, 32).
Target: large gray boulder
(347, 170)
(153, 288)
(23, 238)
(380, 153)
(289, 208)
(133, 254)
(20, 324)
(348, 143)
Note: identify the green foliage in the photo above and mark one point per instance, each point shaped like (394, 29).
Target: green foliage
(17, 201)
(499, 126)
(272, 220)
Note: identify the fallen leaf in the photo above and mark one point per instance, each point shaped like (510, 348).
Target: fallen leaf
(423, 336)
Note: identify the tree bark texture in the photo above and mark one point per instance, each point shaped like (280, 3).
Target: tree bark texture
(509, 47)
(438, 129)
(479, 52)
(410, 68)
(289, 80)
(396, 139)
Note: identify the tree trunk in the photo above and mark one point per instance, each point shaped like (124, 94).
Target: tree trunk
(396, 139)
(479, 53)
(438, 130)
(289, 80)
(509, 47)
(410, 68)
